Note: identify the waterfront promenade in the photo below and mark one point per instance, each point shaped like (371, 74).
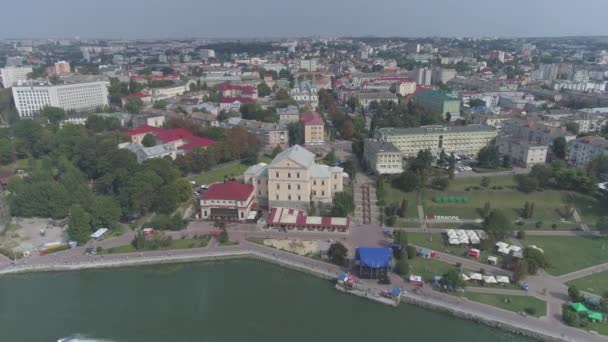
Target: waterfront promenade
(425, 297)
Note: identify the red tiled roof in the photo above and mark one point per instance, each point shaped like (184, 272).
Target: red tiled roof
(311, 118)
(231, 191)
(194, 142)
(143, 129)
(137, 95)
(235, 99)
(242, 88)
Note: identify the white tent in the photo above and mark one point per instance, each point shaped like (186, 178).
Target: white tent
(503, 250)
(503, 279)
(464, 240)
(501, 244)
(482, 235)
(464, 277)
(518, 255)
(454, 241)
(489, 280)
(461, 232)
(492, 260)
(471, 234)
(514, 248)
(475, 276)
(474, 240)
(450, 232)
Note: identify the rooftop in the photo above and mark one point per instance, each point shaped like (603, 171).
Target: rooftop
(230, 191)
(434, 129)
(377, 146)
(311, 118)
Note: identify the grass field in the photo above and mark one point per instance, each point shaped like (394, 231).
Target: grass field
(567, 254)
(436, 242)
(428, 268)
(232, 169)
(601, 328)
(596, 283)
(175, 244)
(511, 303)
(501, 194)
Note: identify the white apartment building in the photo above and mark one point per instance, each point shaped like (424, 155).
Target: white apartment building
(382, 157)
(460, 140)
(29, 100)
(582, 151)
(11, 76)
(168, 92)
(308, 64)
(521, 152)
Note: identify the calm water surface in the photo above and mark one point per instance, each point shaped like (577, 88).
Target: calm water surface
(220, 301)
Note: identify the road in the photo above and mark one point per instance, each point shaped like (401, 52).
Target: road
(564, 278)
(528, 232)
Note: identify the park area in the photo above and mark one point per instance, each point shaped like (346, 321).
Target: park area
(596, 283)
(570, 253)
(466, 197)
(224, 171)
(530, 305)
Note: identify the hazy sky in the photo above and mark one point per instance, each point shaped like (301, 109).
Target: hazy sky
(281, 18)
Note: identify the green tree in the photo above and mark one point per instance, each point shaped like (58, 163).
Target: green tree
(53, 114)
(403, 208)
(575, 294)
(572, 127)
(485, 181)
(528, 210)
(526, 183)
(338, 253)
(148, 140)
(168, 198)
(134, 105)
(79, 224)
(559, 147)
(344, 204)
(535, 260)
(296, 133)
(440, 183)
(161, 104)
(488, 157)
(497, 225)
(507, 162)
(452, 280)
(105, 212)
(184, 189)
(263, 90)
(407, 181)
(402, 267)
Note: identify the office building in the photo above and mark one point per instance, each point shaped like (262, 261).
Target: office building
(12, 76)
(460, 140)
(382, 157)
(439, 102)
(29, 100)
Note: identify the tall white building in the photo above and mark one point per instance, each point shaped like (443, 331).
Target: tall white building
(13, 75)
(29, 100)
(206, 53)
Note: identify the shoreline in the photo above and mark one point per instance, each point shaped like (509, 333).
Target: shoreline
(408, 297)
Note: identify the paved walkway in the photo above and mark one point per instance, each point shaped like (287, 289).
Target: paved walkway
(583, 273)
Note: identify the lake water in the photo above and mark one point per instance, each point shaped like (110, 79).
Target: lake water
(242, 300)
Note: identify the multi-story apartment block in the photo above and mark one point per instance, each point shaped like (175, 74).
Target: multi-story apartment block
(289, 114)
(12, 76)
(521, 152)
(308, 64)
(169, 92)
(439, 102)
(365, 99)
(443, 75)
(582, 151)
(314, 128)
(29, 100)
(293, 180)
(271, 135)
(382, 157)
(460, 140)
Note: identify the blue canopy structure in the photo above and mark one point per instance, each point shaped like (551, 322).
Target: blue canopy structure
(374, 257)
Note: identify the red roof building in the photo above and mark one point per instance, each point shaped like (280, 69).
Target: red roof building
(297, 219)
(311, 119)
(181, 138)
(237, 90)
(232, 201)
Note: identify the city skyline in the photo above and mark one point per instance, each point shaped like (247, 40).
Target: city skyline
(271, 19)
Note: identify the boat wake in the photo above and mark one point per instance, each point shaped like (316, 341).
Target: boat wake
(81, 338)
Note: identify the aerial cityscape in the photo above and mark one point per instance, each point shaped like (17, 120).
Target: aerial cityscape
(312, 182)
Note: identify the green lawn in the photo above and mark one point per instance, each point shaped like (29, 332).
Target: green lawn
(428, 268)
(511, 303)
(232, 169)
(570, 253)
(596, 283)
(501, 194)
(175, 244)
(601, 328)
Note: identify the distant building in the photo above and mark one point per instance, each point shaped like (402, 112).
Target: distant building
(582, 151)
(365, 98)
(230, 201)
(206, 53)
(29, 100)
(180, 138)
(238, 90)
(422, 76)
(521, 152)
(314, 128)
(234, 103)
(442, 75)
(271, 135)
(305, 93)
(12, 76)
(289, 114)
(163, 93)
(382, 157)
(293, 180)
(144, 153)
(62, 68)
(157, 121)
(439, 102)
(145, 98)
(460, 140)
(308, 64)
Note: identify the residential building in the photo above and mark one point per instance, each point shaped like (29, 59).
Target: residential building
(234, 103)
(206, 53)
(238, 90)
(29, 100)
(443, 75)
(271, 135)
(382, 157)
(366, 98)
(276, 67)
(308, 64)
(289, 114)
(293, 180)
(460, 140)
(12, 76)
(422, 76)
(231, 201)
(169, 92)
(145, 98)
(521, 152)
(535, 132)
(582, 151)
(157, 121)
(180, 138)
(62, 68)
(580, 86)
(314, 128)
(144, 153)
(439, 102)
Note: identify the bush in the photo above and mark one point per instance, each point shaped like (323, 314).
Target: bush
(554, 226)
(476, 187)
(411, 252)
(530, 311)
(538, 224)
(521, 235)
